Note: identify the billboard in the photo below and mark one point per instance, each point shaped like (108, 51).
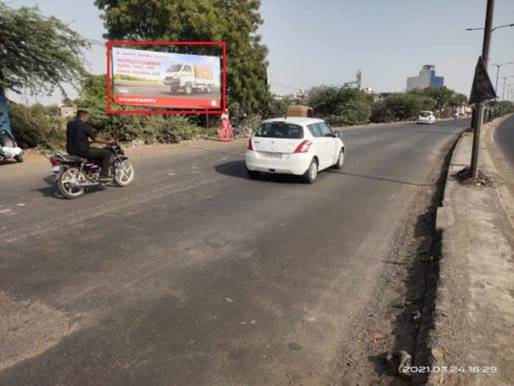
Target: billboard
(166, 80)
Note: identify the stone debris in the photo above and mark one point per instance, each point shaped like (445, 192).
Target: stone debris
(400, 362)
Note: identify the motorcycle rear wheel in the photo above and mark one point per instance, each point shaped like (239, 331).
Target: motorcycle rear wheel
(67, 183)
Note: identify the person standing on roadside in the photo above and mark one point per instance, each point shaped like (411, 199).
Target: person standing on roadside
(225, 128)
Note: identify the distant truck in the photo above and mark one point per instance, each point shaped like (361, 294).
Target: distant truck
(189, 78)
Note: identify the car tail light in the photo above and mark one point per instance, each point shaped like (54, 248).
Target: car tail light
(54, 162)
(250, 145)
(303, 147)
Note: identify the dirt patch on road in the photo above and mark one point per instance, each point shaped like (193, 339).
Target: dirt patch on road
(29, 328)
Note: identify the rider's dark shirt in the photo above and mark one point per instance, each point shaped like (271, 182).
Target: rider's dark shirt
(77, 134)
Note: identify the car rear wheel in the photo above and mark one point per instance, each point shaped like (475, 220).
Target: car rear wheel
(340, 160)
(312, 172)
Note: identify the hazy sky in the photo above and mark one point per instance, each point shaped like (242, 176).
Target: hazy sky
(327, 41)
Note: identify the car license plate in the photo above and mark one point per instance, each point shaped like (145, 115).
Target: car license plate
(272, 155)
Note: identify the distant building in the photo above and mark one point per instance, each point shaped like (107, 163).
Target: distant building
(358, 79)
(297, 97)
(426, 78)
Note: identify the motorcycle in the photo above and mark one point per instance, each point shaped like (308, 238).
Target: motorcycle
(75, 174)
(9, 148)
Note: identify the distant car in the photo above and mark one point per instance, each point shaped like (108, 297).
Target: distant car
(299, 146)
(426, 117)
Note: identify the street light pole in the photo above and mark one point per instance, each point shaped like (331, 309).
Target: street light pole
(480, 106)
(498, 67)
(504, 85)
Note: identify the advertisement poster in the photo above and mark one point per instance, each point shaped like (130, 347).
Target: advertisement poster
(4, 113)
(162, 79)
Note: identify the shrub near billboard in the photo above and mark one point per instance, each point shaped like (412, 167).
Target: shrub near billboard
(162, 79)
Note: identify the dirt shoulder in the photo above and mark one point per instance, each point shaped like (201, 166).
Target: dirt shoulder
(472, 342)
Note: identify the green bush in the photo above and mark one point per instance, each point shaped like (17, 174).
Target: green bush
(42, 126)
(37, 125)
(126, 128)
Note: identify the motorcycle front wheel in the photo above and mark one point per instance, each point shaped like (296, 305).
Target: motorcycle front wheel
(124, 173)
(69, 181)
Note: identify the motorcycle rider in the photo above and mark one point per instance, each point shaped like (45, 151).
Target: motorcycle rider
(78, 134)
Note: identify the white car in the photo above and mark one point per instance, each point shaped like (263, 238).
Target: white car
(426, 117)
(299, 146)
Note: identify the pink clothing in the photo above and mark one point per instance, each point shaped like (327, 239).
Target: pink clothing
(225, 130)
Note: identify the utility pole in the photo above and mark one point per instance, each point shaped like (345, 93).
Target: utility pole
(480, 106)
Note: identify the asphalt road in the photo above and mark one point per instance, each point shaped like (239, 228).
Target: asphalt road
(196, 275)
(155, 90)
(504, 139)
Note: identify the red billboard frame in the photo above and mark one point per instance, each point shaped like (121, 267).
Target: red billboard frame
(108, 78)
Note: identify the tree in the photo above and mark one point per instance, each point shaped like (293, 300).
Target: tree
(278, 106)
(235, 22)
(341, 105)
(401, 106)
(38, 53)
(67, 102)
(445, 100)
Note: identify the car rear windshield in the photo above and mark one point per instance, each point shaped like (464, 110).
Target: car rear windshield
(280, 130)
(424, 114)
